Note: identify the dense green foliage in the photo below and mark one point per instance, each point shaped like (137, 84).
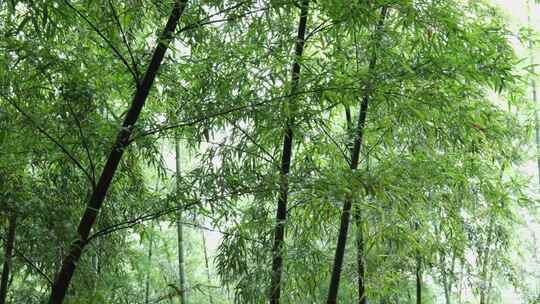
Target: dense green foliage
(427, 97)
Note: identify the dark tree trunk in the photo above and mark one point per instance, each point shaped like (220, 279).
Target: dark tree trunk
(418, 280)
(418, 271)
(362, 299)
(63, 278)
(281, 214)
(8, 254)
(346, 212)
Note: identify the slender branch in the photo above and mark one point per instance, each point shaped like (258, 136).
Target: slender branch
(207, 20)
(133, 62)
(239, 150)
(30, 263)
(246, 134)
(85, 144)
(150, 216)
(231, 110)
(377, 143)
(137, 221)
(321, 27)
(154, 215)
(46, 134)
(109, 43)
(322, 126)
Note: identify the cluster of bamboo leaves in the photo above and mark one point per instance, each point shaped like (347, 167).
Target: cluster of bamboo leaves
(343, 151)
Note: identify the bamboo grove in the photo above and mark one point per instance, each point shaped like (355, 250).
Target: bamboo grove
(265, 151)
